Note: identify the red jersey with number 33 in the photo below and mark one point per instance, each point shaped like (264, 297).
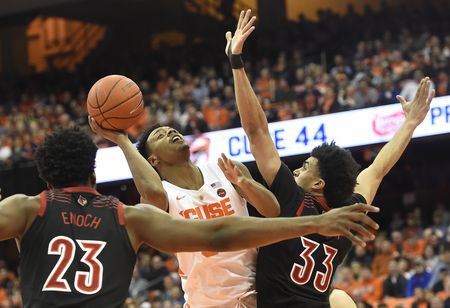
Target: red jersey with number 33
(299, 272)
(77, 252)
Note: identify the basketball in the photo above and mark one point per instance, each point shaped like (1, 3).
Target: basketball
(115, 102)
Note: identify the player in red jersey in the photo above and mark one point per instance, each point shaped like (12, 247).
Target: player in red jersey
(78, 248)
(298, 273)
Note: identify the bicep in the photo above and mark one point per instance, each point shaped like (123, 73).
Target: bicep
(162, 205)
(13, 219)
(266, 155)
(164, 232)
(367, 184)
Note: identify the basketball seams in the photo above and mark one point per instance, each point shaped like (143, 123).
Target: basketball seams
(126, 110)
(117, 105)
(110, 91)
(101, 113)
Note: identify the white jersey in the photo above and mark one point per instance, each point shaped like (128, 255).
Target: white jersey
(211, 279)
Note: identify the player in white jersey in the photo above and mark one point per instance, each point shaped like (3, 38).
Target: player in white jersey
(209, 279)
(213, 279)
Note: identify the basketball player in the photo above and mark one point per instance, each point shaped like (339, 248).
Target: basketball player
(209, 279)
(298, 272)
(78, 248)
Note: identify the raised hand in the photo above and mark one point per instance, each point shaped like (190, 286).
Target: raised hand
(243, 30)
(230, 170)
(350, 221)
(417, 109)
(110, 135)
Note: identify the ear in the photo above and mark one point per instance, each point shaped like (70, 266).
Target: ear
(153, 160)
(49, 186)
(319, 184)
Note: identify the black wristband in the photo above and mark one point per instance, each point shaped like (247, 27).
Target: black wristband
(235, 60)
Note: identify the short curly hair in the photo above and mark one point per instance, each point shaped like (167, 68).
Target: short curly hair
(339, 170)
(66, 158)
(142, 140)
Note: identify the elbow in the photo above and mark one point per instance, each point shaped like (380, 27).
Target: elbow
(157, 198)
(254, 130)
(273, 212)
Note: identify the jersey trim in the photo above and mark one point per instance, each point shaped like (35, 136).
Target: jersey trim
(120, 213)
(323, 203)
(43, 206)
(85, 189)
(300, 209)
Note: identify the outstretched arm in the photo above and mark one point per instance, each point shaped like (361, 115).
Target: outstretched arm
(255, 193)
(147, 180)
(150, 225)
(415, 111)
(252, 115)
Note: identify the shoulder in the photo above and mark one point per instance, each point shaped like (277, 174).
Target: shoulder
(24, 202)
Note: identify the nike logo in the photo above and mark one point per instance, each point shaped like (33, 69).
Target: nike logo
(179, 198)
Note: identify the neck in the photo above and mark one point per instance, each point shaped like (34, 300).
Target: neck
(185, 175)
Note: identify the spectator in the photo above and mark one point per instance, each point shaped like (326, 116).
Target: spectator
(420, 301)
(381, 261)
(216, 116)
(395, 283)
(365, 96)
(367, 288)
(419, 280)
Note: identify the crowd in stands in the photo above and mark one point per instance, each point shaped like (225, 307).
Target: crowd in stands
(407, 264)
(370, 73)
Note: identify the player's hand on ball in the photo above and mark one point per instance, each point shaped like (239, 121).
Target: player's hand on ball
(243, 30)
(349, 221)
(230, 170)
(110, 135)
(417, 109)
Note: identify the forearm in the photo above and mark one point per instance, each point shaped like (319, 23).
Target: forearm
(392, 151)
(146, 179)
(235, 233)
(253, 118)
(260, 197)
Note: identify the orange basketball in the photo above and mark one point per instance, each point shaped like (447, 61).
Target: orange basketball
(115, 102)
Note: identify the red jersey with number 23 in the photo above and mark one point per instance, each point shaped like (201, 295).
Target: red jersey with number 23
(77, 252)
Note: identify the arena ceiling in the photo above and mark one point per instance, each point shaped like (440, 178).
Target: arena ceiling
(155, 14)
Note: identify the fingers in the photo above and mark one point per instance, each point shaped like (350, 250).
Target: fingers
(355, 239)
(221, 165)
(361, 207)
(93, 124)
(361, 231)
(241, 17)
(401, 99)
(249, 31)
(419, 89)
(430, 98)
(228, 36)
(246, 18)
(425, 90)
(249, 24)
(366, 220)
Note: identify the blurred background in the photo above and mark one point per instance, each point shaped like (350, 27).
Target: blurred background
(306, 58)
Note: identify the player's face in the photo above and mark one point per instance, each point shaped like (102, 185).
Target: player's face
(308, 174)
(166, 141)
